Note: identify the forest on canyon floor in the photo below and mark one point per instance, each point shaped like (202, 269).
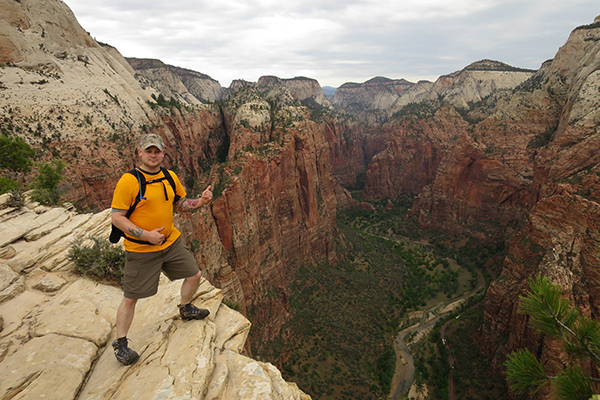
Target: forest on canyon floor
(338, 343)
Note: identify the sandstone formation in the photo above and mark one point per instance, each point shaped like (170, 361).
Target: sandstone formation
(519, 164)
(492, 151)
(561, 235)
(76, 100)
(376, 97)
(301, 88)
(183, 84)
(379, 98)
(277, 209)
(57, 326)
(412, 154)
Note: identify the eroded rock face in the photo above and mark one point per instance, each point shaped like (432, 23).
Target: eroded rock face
(376, 100)
(412, 154)
(92, 113)
(376, 94)
(277, 210)
(179, 83)
(67, 332)
(562, 231)
(560, 242)
(473, 193)
(71, 98)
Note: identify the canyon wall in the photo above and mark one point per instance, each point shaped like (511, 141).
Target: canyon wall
(560, 238)
(513, 157)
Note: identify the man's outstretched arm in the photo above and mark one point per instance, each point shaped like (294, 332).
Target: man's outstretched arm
(186, 204)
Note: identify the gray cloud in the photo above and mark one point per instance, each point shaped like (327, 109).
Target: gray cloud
(334, 41)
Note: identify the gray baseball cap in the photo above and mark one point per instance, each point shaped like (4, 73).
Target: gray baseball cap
(152, 139)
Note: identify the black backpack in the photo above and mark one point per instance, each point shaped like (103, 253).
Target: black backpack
(116, 233)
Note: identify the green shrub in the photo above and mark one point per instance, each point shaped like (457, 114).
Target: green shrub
(425, 109)
(46, 183)
(8, 185)
(553, 316)
(15, 154)
(101, 261)
(541, 140)
(234, 305)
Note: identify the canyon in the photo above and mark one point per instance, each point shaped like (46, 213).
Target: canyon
(494, 152)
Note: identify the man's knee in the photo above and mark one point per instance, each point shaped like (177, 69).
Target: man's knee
(195, 278)
(129, 303)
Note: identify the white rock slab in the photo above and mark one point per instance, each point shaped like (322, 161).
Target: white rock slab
(7, 276)
(248, 379)
(7, 252)
(232, 329)
(15, 228)
(50, 283)
(70, 315)
(50, 368)
(48, 221)
(15, 310)
(31, 253)
(13, 289)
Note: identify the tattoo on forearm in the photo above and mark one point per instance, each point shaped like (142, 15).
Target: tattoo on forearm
(186, 204)
(135, 231)
(193, 203)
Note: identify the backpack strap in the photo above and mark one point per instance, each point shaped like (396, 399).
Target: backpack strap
(172, 183)
(142, 191)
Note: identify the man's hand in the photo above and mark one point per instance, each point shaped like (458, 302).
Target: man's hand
(120, 220)
(207, 195)
(154, 236)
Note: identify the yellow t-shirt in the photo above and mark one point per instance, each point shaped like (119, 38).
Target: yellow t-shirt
(153, 212)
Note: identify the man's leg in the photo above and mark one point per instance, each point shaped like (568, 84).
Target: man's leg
(180, 264)
(125, 315)
(189, 287)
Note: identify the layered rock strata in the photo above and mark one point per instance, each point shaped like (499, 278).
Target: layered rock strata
(376, 100)
(270, 168)
(179, 83)
(562, 232)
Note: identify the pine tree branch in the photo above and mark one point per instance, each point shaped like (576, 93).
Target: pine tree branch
(583, 342)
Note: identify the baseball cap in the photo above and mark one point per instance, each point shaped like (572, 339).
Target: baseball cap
(151, 139)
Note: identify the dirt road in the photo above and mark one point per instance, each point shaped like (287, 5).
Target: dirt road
(405, 367)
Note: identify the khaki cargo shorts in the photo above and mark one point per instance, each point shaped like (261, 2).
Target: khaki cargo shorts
(142, 270)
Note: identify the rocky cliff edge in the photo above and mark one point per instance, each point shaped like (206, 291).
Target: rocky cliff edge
(56, 327)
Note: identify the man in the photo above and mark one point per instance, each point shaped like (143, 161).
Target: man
(152, 243)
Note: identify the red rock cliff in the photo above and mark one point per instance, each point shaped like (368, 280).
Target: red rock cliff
(560, 239)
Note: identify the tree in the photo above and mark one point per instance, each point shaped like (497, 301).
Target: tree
(552, 315)
(46, 183)
(15, 154)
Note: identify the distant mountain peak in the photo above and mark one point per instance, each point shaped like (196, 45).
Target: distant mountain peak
(491, 65)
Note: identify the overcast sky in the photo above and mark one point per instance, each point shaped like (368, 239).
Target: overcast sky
(334, 41)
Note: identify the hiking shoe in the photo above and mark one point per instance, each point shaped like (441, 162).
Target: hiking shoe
(124, 354)
(190, 311)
